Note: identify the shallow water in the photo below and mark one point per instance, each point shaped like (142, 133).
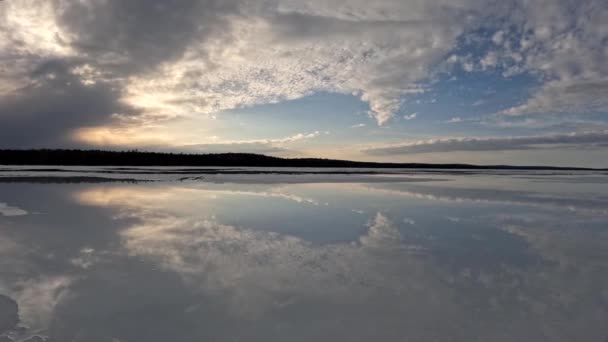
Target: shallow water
(402, 257)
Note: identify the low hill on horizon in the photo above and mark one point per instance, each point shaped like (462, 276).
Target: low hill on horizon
(67, 157)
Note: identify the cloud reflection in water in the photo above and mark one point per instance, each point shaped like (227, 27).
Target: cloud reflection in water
(176, 269)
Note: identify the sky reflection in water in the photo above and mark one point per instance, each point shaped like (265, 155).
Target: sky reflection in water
(473, 258)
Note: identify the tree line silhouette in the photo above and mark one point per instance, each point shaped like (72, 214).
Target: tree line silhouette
(139, 158)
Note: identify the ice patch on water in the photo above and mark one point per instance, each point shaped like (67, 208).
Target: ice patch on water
(6, 210)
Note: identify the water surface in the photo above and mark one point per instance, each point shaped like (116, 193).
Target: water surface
(400, 257)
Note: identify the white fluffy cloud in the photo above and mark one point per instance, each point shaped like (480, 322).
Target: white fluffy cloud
(410, 116)
(565, 45)
(281, 56)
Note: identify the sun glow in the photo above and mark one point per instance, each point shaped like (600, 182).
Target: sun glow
(105, 136)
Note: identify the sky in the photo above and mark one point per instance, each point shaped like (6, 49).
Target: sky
(472, 81)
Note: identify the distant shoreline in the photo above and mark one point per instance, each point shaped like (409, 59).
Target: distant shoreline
(62, 157)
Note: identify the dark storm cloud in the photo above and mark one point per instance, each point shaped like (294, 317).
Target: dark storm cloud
(53, 104)
(137, 34)
(493, 144)
(117, 39)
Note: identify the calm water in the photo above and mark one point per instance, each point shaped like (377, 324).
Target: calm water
(443, 257)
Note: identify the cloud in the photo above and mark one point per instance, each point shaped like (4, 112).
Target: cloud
(155, 59)
(203, 56)
(498, 37)
(454, 120)
(259, 146)
(410, 116)
(493, 144)
(489, 61)
(358, 125)
(132, 36)
(293, 138)
(560, 44)
(54, 103)
(303, 60)
(409, 221)
(565, 97)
